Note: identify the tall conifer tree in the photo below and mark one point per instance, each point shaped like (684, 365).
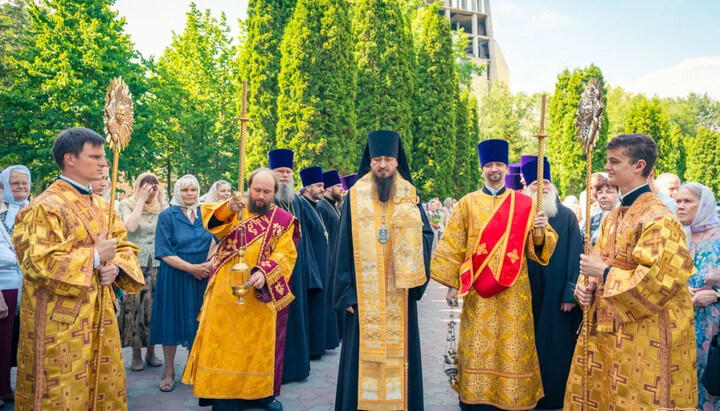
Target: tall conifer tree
(436, 88)
(384, 58)
(316, 107)
(259, 63)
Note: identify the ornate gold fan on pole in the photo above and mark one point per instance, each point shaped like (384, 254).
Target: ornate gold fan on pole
(589, 120)
(118, 128)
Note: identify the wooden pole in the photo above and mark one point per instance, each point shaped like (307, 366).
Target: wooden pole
(540, 182)
(243, 134)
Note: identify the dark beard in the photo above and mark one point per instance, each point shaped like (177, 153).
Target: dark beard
(258, 209)
(384, 187)
(336, 197)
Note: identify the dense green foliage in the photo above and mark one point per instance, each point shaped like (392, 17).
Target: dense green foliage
(434, 105)
(259, 63)
(703, 159)
(384, 59)
(647, 116)
(59, 80)
(316, 107)
(466, 177)
(566, 156)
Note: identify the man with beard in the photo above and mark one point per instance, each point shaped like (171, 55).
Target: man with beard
(328, 209)
(236, 358)
(382, 261)
(317, 234)
(482, 256)
(305, 277)
(555, 311)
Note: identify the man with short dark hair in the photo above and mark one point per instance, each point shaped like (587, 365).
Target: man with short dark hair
(318, 235)
(382, 263)
(328, 208)
(70, 257)
(641, 347)
(236, 358)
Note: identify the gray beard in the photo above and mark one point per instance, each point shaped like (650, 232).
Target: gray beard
(286, 193)
(550, 206)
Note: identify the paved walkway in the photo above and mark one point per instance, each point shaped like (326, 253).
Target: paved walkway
(317, 393)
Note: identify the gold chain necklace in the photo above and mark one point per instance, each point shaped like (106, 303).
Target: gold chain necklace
(288, 207)
(327, 238)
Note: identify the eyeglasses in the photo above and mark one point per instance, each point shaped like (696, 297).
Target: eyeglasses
(20, 184)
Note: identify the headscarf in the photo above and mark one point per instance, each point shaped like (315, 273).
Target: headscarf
(182, 182)
(211, 196)
(13, 206)
(152, 207)
(706, 216)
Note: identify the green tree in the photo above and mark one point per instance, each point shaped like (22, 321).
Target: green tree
(498, 119)
(191, 94)
(648, 117)
(466, 175)
(259, 63)
(14, 35)
(60, 79)
(619, 102)
(703, 159)
(316, 106)
(566, 156)
(384, 58)
(434, 128)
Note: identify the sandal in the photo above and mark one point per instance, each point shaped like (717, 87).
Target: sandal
(153, 361)
(167, 381)
(137, 364)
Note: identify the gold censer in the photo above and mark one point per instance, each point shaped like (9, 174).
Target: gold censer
(240, 278)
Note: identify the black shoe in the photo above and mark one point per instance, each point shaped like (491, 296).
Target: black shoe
(274, 406)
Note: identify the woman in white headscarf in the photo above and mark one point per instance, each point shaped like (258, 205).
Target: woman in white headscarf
(10, 286)
(140, 214)
(17, 183)
(696, 210)
(181, 245)
(221, 190)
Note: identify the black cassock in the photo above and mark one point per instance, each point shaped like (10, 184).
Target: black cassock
(317, 306)
(331, 215)
(345, 295)
(555, 330)
(304, 280)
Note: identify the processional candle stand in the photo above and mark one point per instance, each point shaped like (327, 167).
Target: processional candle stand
(239, 277)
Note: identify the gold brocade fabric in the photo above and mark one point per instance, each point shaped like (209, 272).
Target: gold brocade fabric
(60, 308)
(496, 348)
(233, 355)
(384, 273)
(641, 349)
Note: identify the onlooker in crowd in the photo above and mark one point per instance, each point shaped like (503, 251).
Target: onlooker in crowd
(668, 184)
(435, 216)
(669, 201)
(594, 209)
(607, 199)
(573, 204)
(448, 209)
(181, 245)
(17, 183)
(221, 190)
(140, 216)
(10, 284)
(102, 187)
(696, 210)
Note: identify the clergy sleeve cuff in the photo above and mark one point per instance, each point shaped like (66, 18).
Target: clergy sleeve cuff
(276, 283)
(96, 260)
(223, 213)
(606, 272)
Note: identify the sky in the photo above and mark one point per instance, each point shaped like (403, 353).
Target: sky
(662, 47)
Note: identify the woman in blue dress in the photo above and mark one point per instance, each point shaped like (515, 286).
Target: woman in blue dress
(181, 245)
(696, 212)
